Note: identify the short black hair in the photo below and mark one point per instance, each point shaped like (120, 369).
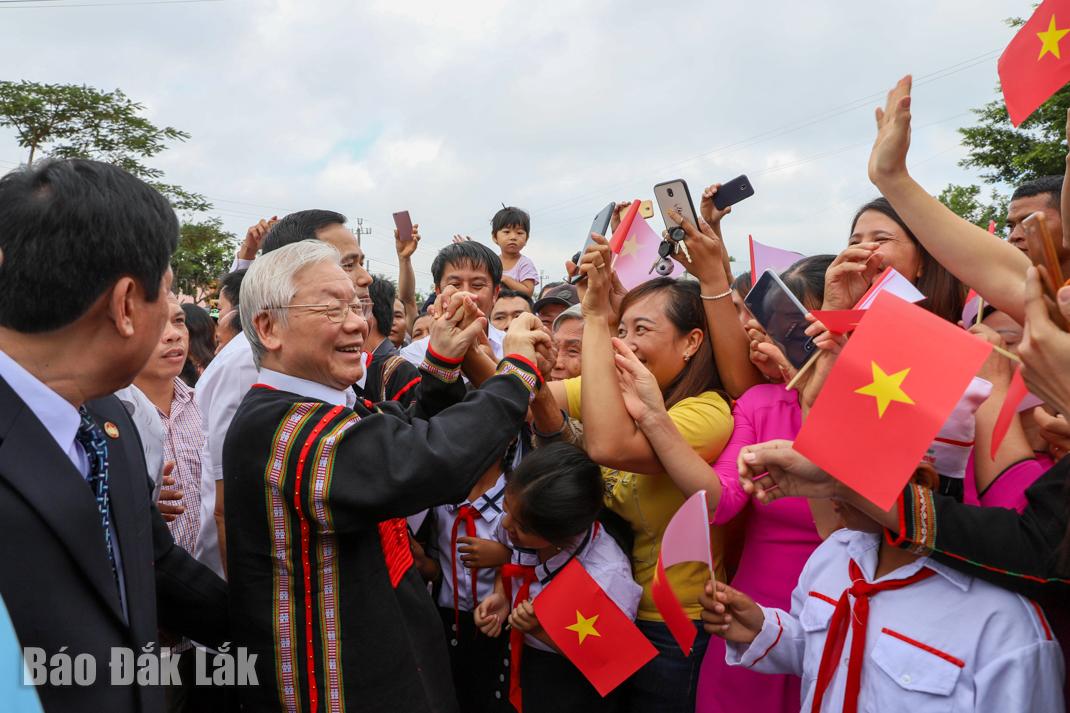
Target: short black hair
(470, 253)
(1051, 185)
(506, 293)
(383, 293)
(510, 217)
(556, 492)
(299, 226)
(742, 283)
(230, 286)
(68, 230)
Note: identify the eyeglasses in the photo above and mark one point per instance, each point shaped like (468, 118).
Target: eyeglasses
(338, 310)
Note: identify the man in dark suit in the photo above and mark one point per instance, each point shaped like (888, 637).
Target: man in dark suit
(88, 564)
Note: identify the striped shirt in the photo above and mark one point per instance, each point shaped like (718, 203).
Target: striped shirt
(185, 439)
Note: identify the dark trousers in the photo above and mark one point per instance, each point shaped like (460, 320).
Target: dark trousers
(551, 684)
(479, 665)
(668, 683)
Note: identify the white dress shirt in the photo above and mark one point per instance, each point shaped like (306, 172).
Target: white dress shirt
(151, 429)
(414, 353)
(220, 389)
(949, 642)
(603, 559)
(61, 419)
(490, 506)
(308, 389)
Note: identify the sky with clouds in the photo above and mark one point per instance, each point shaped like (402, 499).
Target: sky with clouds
(449, 109)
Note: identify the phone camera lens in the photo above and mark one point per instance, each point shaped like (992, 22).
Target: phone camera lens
(669, 191)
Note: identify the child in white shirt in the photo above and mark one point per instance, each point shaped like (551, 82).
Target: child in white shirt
(552, 500)
(874, 627)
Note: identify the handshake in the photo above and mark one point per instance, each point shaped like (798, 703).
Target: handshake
(460, 326)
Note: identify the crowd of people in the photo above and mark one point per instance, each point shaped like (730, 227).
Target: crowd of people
(368, 494)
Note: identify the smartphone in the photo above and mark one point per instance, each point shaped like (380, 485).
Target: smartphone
(403, 223)
(599, 226)
(646, 210)
(782, 316)
(673, 195)
(733, 192)
(1043, 253)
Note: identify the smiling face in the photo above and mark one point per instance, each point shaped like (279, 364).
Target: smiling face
(309, 345)
(895, 247)
(646, 330)
(569, 342)
(169, 356)
(470, 278)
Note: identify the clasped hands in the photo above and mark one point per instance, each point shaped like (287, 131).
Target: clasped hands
(460, 327)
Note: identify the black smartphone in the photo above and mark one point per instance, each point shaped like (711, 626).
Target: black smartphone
(782, 316)
(733, 192)
(599, 227)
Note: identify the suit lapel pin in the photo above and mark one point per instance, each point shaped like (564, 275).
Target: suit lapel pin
(111, 429)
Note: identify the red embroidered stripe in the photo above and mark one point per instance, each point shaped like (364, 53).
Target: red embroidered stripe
(405, 388)
(1043, 620)
(394, 539)
(925, 647)
(900, 506)
(306, 569)
(451, 362)
(524, 360)
(824, 598)
(775, 642)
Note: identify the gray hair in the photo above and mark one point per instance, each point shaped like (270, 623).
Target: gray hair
(270, 284)
(573, 312)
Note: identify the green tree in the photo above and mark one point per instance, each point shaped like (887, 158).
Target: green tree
(204, 253)
(966, 202)
(72, 121)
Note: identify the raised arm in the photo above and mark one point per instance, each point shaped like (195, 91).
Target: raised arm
(406, 275)
(612, 437)
(992, 267)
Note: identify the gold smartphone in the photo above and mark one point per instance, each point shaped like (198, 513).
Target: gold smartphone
(646, 209)
(1044, 254)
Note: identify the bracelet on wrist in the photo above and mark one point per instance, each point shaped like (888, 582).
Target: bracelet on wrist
(555, 434)
(722, 295)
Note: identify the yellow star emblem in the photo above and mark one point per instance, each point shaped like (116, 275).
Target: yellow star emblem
(886, 388)
(1050, 40)
(584, 626)
(630, 246)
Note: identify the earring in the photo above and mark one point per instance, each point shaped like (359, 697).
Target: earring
(687, 356)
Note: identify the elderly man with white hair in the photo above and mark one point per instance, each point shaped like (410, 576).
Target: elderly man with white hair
(323, 588)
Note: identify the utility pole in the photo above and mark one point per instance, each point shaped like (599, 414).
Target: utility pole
(360, 231)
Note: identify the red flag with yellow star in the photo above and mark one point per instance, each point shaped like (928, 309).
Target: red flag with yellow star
(589, 629)
(1036, 63)
(891, 390)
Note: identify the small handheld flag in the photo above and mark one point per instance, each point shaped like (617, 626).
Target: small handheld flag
(686, 539)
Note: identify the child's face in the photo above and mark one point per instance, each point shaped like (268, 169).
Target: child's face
(517, 533)
(511, 239)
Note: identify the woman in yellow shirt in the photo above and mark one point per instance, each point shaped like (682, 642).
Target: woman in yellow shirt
(663, 323)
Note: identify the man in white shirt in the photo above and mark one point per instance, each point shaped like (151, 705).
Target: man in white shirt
(470, 267)
(876, 627)
(230, 375)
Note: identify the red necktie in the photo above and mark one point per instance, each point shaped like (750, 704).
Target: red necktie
(861, 590)
(516, 637)
(466, 514)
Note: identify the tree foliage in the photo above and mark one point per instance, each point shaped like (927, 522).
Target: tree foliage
(204, 253)
(966, 201)
(72, 121)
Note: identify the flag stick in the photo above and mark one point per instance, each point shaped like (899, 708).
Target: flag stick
(805, 367)
(1009, 355)
(980, 309)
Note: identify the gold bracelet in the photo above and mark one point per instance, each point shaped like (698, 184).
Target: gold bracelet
(724, 294)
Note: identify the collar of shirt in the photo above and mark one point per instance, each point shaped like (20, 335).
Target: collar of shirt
(182, 397)
(545, 571)
(59, 416)
(863, 548)
(306, 388)
(490, 504)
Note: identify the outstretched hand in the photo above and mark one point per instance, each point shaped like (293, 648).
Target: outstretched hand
(642, 395)
(1045, 348)
(889, 156)
(774, 470)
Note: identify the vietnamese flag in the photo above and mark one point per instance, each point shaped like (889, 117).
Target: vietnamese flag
(638, 251)
(766, 257)
(1032, 68)
(590, 629)
(617, 241)
(686, 539)
(888, 395)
